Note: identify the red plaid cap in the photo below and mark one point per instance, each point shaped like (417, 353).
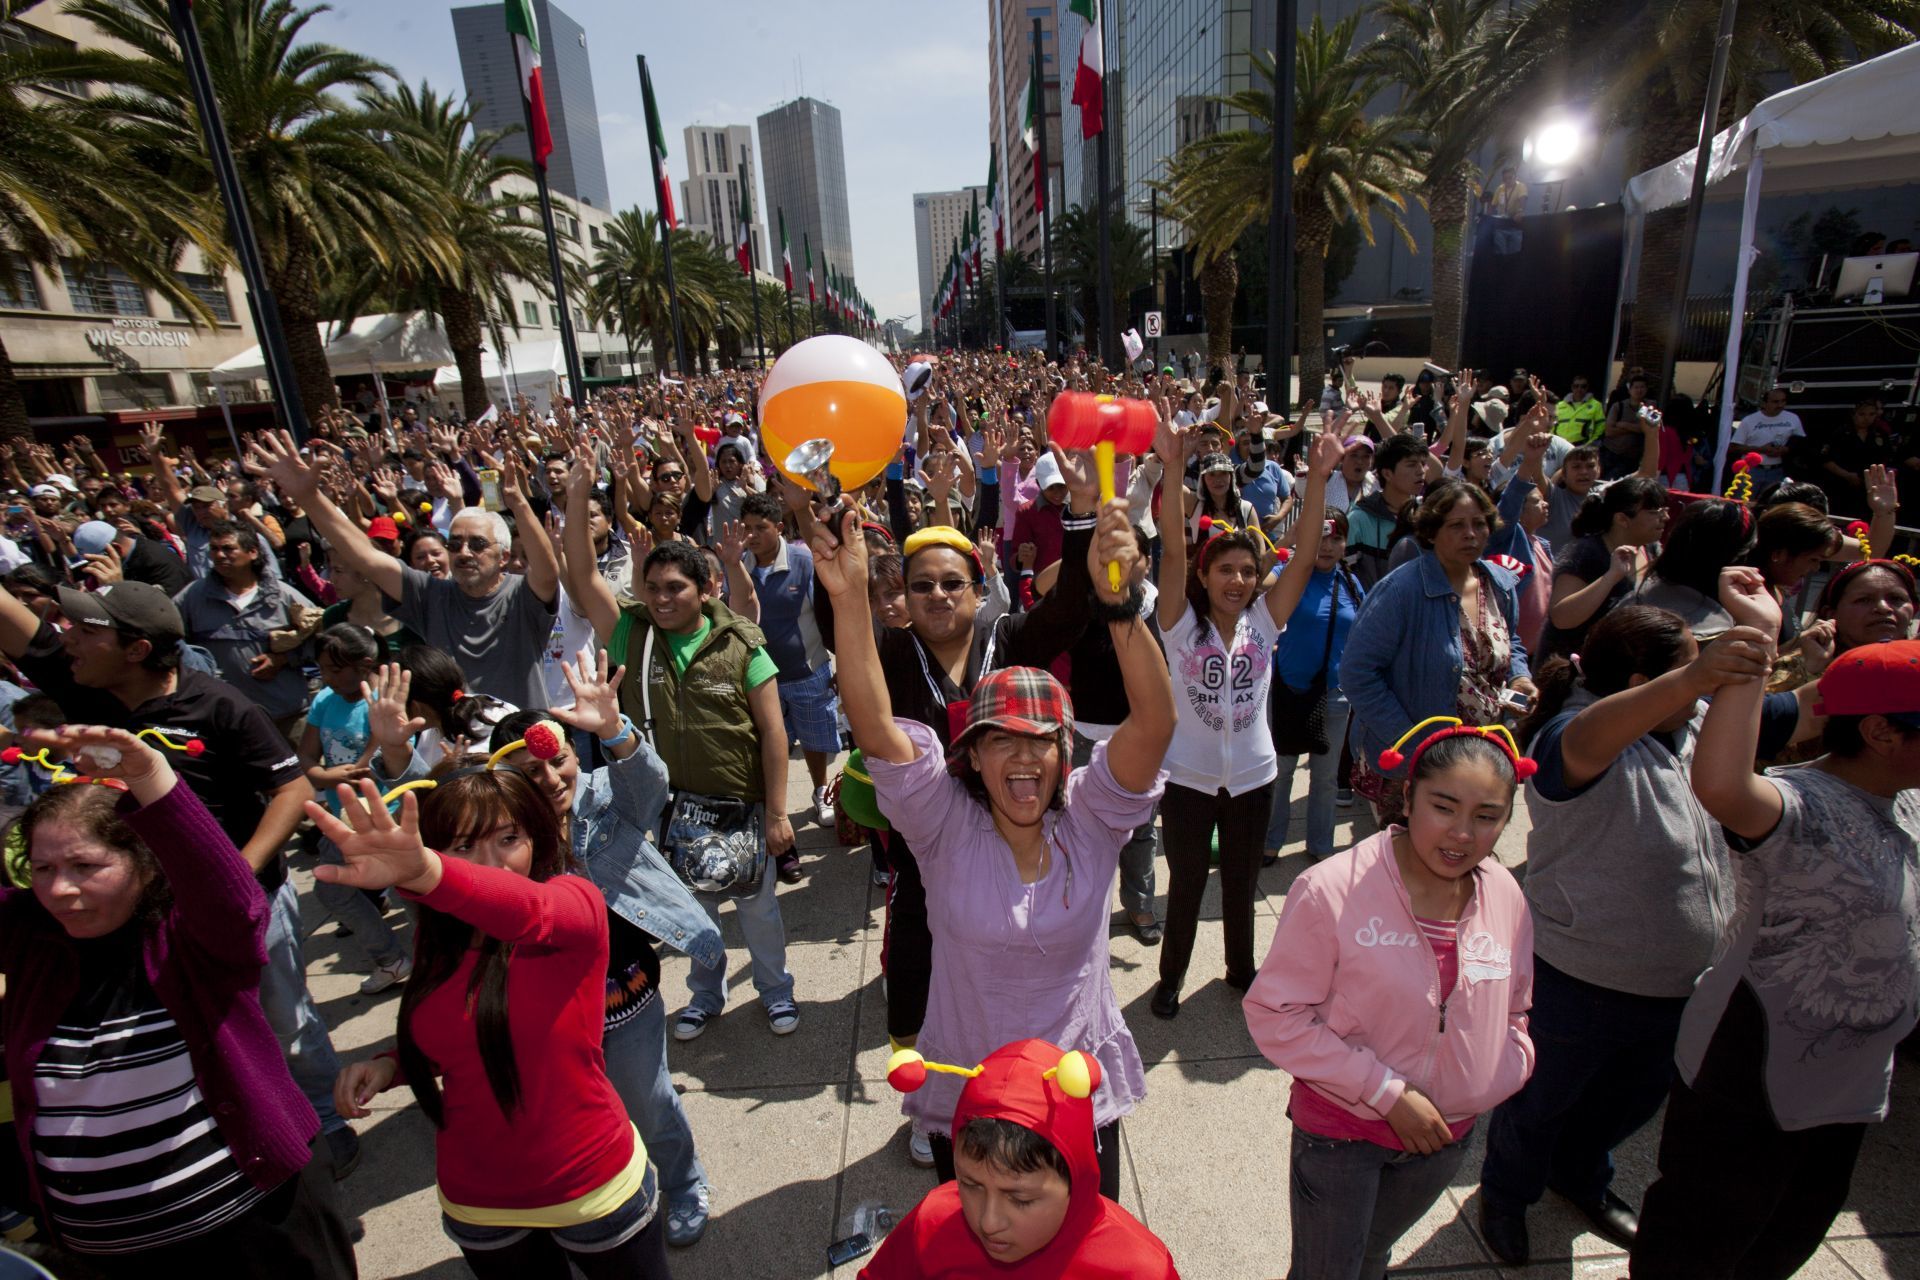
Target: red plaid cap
(1023, 700)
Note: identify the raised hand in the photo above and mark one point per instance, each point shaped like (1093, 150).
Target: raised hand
(582, 470)
(733, 542)
(841, 568)
(1113, 544)
(1745, 595)
(445, 481)
(276, 457)
(1738, 655)
(389, 727)
(1883, 494)
(1817, 645)
(596, 695)
(380, 853)
(1323, 459)
(102, 752)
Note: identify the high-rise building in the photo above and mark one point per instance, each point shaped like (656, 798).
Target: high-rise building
(577, 166)
(1009, 68)
(710, 197)
(804, 173)
(939, 219)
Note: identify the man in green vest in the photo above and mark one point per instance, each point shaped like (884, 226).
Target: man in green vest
(699, 682)
(1580, 417)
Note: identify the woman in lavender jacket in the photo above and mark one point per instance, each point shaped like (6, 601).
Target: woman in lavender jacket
(1019, 859)
(158, 1121)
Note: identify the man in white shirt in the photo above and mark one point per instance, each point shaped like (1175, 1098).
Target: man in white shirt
(1770, 432)
(1355, 479)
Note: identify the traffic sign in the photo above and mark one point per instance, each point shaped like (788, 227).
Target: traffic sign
(1154, 323)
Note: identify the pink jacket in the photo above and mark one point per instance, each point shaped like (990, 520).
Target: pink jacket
(1349, 997)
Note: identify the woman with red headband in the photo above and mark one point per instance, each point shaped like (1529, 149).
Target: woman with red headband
(1395, 994)
(1019, 858)
(1219, 635)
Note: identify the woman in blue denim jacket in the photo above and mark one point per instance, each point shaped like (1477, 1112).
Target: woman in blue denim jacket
(1409, 656)
(610, 815)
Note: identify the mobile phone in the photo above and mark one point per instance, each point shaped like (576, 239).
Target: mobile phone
(841, 1252)
(1518, 700)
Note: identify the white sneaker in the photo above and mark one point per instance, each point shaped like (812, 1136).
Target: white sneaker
(920, 1149)
(822, 807)
(385, 976)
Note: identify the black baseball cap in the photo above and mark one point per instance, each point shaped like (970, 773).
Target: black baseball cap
(137, 608)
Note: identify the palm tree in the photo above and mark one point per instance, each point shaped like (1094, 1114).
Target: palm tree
(69, 186)
(1651, 62)
(484, 221)
(1458, 74)
(320, 185)
(1019, 271)
(1076, 262)
(630, 263)
(1345, 167)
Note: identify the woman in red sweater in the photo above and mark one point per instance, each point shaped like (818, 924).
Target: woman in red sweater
(536, 1161)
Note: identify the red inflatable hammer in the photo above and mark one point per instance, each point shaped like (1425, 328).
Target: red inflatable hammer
(1107, 425)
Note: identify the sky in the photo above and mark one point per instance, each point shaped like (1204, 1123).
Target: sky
(909, 78)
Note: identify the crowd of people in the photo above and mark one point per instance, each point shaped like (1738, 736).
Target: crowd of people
(523, 693)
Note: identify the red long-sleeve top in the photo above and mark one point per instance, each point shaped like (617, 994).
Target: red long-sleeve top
(570, 1133)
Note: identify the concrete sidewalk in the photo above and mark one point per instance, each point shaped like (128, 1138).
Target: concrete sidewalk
(799, 1132)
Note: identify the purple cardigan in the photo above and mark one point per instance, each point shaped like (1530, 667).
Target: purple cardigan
(204, 959)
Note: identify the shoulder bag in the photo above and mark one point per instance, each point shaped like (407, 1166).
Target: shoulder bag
(1300, 715)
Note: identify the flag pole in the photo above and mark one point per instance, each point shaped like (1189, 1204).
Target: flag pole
(999, 255)
(753, 285)
(665, 219)
(1280, 228)
(1046, 204)
(570, 352)
(260, 300)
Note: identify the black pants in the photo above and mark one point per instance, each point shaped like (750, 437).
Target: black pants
(294, 1232)
(1106, 1141)
(538, 1256)
(909, 944)
(1738, 1197)
(1604, 1065)
(1187, 822)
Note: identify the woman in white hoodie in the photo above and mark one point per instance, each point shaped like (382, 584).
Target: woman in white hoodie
(1395, 995)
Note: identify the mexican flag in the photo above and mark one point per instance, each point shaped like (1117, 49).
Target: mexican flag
(786, 251)
(806, 247)
(743, 243)
(526, 51)
(978, 238)
(1089, 84)
(657, 145)
(993, 204)
(1030, 134)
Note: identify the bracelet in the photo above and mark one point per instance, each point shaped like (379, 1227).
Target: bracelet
(626, 731)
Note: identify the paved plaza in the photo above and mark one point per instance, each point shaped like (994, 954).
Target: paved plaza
(799, 1133)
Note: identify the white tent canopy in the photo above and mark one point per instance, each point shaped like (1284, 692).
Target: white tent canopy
(536, 370)
(398, 342)
(1855, 128)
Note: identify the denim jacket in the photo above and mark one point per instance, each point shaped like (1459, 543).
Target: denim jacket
(616, 809)
(1402, 661)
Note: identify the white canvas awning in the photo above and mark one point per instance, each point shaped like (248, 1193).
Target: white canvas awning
(1855, 128)
(397, 342)
(536, 370)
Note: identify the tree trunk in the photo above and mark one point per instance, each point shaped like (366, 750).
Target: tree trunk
(1314, 232)
(661, 336)
(1447, 209)
(460, 312)
(1665, 135)
(1219, 282)
(296, 290)
(13, 405)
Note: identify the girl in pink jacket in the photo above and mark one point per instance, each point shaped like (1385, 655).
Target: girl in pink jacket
(1395, 994)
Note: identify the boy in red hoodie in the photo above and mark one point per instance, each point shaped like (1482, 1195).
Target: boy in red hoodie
(1025, 1203)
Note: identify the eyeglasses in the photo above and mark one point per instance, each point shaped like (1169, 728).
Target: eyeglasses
(475, 544)
(668, 477)
(946, 586)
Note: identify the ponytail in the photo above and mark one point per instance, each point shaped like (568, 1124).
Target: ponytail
(1633, 640)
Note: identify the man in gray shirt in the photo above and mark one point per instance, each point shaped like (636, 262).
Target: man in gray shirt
(494, 623)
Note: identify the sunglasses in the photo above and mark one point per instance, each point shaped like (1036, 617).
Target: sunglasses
(667, 477)
(946, 586)
(475, 544)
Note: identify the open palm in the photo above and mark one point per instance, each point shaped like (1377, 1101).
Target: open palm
(380, 853)
(596, 695)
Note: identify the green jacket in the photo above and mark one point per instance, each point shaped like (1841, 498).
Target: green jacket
(1581, 423)
(702, 726)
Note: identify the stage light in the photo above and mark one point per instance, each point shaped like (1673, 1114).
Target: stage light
(1555, 144)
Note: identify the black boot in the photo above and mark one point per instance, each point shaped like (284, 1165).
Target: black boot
(1166, 1001)
(1505, 1230)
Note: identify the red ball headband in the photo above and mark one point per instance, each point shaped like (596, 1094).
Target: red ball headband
(1498, 734)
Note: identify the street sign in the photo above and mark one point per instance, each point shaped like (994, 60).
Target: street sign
(1153, 326)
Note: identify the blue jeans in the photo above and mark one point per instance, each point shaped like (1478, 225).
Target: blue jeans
(636, 1052)
(357, 912)
(1351, 1200)
(290, 1012)
(766, 937)
(1604, 1065)
(1321, 783)
(1136, 856)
